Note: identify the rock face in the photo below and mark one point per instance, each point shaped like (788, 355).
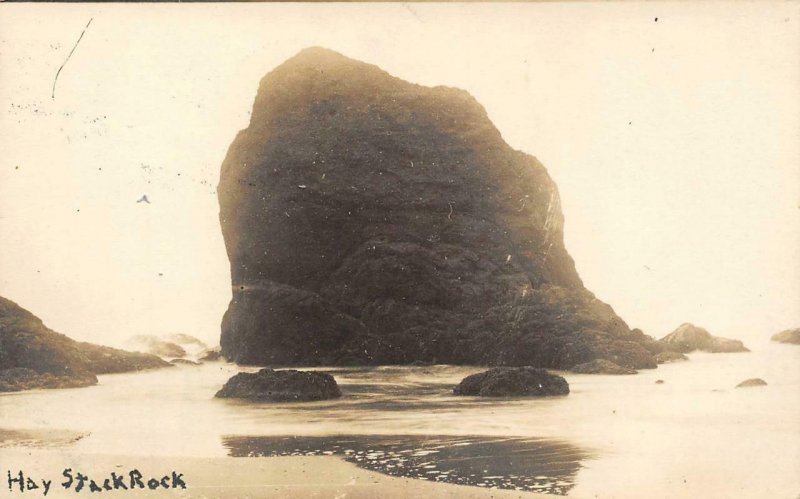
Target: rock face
(752, 382)
(268, 385)
(670, 356)
(34, 356)
(789, 336)
(601, 366)
(688, 338)
(513, 382)
(369, 220)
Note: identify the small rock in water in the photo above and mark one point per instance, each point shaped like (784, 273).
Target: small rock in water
(269, 385)
(513, 381)
(752, 382)
(659, 381)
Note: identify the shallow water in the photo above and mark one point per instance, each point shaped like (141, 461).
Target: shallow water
(695, 435)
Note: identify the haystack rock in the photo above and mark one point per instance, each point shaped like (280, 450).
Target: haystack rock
(34, 356)
(688, 338)
(369, 220)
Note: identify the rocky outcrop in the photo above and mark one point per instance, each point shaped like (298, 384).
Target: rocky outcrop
(211, 354)
(369, 220)
(156, 346)
(601, 366)
(513, 382)
(789, 336)
(106, 360)
(268, 385)
(688, 338)
(669, 356)
(752, 382)
(17, 379)
(34, 356)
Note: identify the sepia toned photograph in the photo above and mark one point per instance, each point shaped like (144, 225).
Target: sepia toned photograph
(400, 250)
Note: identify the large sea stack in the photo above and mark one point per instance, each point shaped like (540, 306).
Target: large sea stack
(369, 220)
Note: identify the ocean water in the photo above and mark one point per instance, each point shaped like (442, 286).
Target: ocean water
(694, 435)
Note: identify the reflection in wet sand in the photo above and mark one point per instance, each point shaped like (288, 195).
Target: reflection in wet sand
(518, 463)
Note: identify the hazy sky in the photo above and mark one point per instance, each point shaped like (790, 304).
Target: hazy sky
(672, 131)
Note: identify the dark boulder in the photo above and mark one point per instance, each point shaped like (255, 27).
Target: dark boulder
(752, 382)
(670, 356)
(34, 356)
(688, 338)
(368, 220)
(659, 381)
(789, 336)
(269, 385)
(601, 366)
(513, 382)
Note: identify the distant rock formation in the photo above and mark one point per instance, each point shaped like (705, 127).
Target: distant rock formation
(601, 366)
(211, 354)
(669, 356)
(186, 339)
(513, 382)
(369, 220)
(688, 338)
(268, 385)
(752, 382)
(34, 356)
(789, 336)
(156, 346)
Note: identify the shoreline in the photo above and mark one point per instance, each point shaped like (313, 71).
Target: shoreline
(232, 477)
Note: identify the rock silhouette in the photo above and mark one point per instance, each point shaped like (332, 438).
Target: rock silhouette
(789, 336)
(752, 382)
(34, 356)
(369, 220)
(688, 338)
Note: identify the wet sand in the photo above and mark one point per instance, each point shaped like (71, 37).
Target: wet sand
(233, 477)
(512, 463)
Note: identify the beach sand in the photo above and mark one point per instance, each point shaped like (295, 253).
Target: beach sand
(228, 477)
